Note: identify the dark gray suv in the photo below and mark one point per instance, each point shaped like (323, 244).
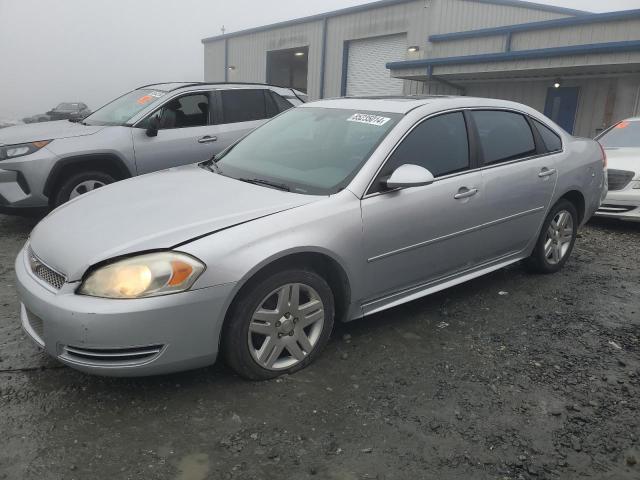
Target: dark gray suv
(154, 127)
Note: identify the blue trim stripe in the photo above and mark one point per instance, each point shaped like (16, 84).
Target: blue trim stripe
(387, 3)
(609, 47)
(543, 25)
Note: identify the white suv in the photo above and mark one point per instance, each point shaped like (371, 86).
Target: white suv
(151, 128)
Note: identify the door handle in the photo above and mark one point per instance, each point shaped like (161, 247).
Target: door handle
(207, 139)
(547, 172)
(465, 192)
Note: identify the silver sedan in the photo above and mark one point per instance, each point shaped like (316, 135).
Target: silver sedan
(331, 211)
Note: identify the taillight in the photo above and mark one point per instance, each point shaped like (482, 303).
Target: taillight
(604, 156)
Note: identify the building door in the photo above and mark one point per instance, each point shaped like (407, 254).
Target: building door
(288, 68)
(366, 61)
(562, 106)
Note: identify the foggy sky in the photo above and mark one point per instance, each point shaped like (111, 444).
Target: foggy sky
(94, 50)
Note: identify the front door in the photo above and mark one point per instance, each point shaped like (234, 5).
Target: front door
(562, 105)
(185, 135)
(423, 234)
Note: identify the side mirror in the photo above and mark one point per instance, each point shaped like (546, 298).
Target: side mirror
(153, 126)
(407, 175)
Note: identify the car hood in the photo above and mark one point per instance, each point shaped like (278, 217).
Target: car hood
(33, 132)
(624, 159)
(156, 211)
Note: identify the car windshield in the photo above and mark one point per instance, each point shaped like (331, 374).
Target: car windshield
(624, 135)
(313, 151)
(123, 109)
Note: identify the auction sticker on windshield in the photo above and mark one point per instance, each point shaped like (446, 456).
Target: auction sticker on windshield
(368, 119)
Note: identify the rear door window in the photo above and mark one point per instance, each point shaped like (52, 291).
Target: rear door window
(243, 105)
(504, 136)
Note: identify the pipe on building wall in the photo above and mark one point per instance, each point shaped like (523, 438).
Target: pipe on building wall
(226, 60)
(323, 55)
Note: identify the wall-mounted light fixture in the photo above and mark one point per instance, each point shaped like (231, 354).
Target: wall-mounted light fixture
(299, 54)
(413, 48)
(557, 83)
(231, 68)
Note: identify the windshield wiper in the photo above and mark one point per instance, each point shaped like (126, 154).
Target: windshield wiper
(266, 183)
(211, 165)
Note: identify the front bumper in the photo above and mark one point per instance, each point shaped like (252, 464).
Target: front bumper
(22, 183)
(622, 204)
(139, 337)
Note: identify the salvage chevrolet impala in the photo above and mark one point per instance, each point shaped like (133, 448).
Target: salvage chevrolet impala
(330, 212)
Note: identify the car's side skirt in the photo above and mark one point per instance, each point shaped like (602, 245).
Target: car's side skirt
(433, 286)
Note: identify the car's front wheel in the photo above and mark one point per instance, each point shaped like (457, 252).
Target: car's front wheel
(79, 184)
(556, 240)
(279, 324)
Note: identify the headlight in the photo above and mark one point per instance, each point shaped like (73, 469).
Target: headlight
(147, 275)
(22, 149)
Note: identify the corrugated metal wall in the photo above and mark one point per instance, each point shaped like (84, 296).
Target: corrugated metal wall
(418, 19)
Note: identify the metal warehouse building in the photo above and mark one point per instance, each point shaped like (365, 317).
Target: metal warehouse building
(579, 68)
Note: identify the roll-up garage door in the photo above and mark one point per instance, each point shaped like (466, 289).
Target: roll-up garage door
(367, 73)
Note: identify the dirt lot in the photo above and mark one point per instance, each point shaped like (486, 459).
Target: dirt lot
(511, 376)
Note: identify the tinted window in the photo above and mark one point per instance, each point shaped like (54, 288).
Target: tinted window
(504, 136)
(272, 108)
(551, 141)
(243, 105)
(281, 102)
(439, 144)
(184, 112)
(624, 135)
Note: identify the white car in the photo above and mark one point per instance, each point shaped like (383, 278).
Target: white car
(622, 146)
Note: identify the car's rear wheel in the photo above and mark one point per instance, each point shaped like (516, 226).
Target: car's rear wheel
(79, 184)
(556, 240)
(279, 324)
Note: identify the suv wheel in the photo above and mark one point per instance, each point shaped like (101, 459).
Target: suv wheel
(279, 325)
(79, 184)
(557, 237)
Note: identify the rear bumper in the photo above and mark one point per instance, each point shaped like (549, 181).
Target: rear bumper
(621, 204)
(122, 337)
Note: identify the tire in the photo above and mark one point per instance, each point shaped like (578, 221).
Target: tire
(262, 321)
(554, 245)
(67, 187)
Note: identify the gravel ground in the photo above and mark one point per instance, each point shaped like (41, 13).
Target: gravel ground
(511, 376)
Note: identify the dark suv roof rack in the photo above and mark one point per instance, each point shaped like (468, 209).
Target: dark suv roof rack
(194, 84)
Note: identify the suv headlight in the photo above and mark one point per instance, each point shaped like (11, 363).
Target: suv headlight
(22, 149)
(147, 275)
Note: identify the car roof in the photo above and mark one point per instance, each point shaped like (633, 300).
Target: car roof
(405, 104)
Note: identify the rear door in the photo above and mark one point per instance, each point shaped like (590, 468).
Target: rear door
(519, 173)
(186, 134)
(238, 111)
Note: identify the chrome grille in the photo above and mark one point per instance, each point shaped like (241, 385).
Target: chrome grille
(45, 273)
(110, 356)
(619, 179)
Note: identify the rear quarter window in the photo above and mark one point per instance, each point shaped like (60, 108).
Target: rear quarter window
(551, 140)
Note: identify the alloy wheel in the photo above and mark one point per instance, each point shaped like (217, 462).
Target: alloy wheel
(286, 326)
(559, 237)
(85, 187)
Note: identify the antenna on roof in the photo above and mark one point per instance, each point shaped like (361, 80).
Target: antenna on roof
(223, 29)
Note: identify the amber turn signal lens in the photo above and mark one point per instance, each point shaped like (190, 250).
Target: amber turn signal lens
(41, 143)
(181, 272)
